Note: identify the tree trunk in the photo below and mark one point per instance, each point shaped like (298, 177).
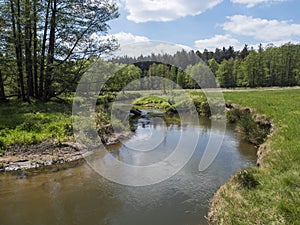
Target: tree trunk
(50, 58)
(42, 63)
(35, 49)
(2, 93)
(28, 53)
(17, 33)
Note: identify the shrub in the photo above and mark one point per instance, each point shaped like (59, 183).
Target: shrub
(254, 128)
(253, 131)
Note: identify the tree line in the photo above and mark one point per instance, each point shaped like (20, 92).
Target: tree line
(264, 67)
(45, 44)
(144, 76)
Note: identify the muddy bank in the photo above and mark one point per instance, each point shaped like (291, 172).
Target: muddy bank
(49, 152)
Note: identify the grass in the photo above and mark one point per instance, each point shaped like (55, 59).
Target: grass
(275, 197)
(154, 102)
(24, 123)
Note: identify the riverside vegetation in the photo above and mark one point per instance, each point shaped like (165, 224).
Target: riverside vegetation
(41, 133)
(270, 193)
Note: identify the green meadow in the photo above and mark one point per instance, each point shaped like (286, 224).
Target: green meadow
(272, 195)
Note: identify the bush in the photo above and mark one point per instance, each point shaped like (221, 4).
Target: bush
(30, 126)
(205, 109)
(254, 128)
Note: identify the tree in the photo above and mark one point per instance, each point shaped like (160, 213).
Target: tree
(50, 35)
(238, 73)
(173, 76)
(213, 65)
(269, 66)
(180, 78)
(229, 53)
(244, 53)
(261, 80)
(219, 55)
(225, 75)
(250, 68)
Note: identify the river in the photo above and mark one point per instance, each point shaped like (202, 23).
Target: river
(80, 196)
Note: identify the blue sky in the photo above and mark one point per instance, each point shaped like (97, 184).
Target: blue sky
(207, 24)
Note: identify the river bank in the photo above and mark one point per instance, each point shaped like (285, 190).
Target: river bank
(50, 153)
(270, 193)
(254, 128)
(40, 134)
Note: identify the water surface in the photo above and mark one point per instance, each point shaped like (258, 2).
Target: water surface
(80, 196)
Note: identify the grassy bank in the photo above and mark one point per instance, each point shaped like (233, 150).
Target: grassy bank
(22, 123)
(269, 194)
(153, 102)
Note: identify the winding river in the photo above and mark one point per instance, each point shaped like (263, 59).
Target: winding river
(80, 196)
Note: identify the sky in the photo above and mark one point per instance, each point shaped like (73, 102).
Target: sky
(210, 24)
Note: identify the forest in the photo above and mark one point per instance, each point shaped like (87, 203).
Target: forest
(264, 67)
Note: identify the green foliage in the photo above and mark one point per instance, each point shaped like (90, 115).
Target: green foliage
(126, 78)
(2, 147)
(213, 65)
(225, 75)
(199, 76)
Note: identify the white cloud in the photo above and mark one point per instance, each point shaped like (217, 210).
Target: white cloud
(218, 41)
(165, 10)
(252, 3)
(262, 29)
(134, 46)
(127, 38)
(149, 47)
(274, 43)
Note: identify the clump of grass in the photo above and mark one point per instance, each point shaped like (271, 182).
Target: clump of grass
(246, 179)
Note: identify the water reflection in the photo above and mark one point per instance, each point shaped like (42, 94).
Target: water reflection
(80, 196)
